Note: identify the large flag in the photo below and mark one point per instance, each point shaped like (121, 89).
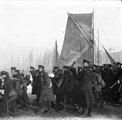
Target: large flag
(78, 43)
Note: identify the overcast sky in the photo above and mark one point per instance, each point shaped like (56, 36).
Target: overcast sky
(26, 25)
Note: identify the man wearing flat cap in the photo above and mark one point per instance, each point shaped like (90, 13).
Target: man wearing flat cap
(86, 88)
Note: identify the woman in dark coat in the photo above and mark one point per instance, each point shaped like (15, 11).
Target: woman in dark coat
(86, 88)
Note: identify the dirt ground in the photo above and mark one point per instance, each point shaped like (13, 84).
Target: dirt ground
(105, 113)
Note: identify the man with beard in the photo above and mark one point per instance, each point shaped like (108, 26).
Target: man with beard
(86, 88)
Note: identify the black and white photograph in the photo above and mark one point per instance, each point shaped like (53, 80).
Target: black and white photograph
(61, 59)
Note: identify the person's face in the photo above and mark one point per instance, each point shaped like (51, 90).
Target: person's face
(86, 64)
(40, 69)
(3, 76)
(79, 70)
(31, 69)
(94, 68)
(65, 69)
(12, 72)
(119, 66)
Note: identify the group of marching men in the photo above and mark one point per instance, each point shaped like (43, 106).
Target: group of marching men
(13, 92)
(81, 87)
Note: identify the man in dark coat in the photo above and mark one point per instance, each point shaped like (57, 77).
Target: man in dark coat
(46, 92)
(12, 71)
(86, 88)
(8, 86)
(55, 70)
(38, 89)
(21, 89)
(120, 87)
(34, 83)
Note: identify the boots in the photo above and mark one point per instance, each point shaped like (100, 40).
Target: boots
(83, 111)
(89, 112)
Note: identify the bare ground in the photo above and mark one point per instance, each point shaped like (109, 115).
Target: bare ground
(106, 113)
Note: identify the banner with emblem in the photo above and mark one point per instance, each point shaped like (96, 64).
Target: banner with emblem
(78, 40)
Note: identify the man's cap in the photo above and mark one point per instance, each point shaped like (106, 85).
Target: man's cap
(118, 63)
(55, 67)
(95, 65)
(110, 65)
(66, 66)
(4, 73)
(85, 61)
(105, 64)
(13, 68)
(79, 67)
(60, 72)
(40, 66)
(31, 67)
(17, 71)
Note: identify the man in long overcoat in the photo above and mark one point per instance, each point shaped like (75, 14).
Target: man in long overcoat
(8, 86)
(46, 94)
(34, 83)
(86, 88)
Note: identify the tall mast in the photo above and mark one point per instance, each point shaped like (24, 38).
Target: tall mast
(93, 36)
(93, 26)
(98, 49)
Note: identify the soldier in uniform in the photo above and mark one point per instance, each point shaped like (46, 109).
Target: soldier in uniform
(46, 94)
(38, 88)
(34, 83)
(55, 70)
(12, 71)
(120, 87)
(21, 89)
(5, 103)
(86, 88)
(100, 84)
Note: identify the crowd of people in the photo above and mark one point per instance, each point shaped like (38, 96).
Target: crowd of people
(82, 88)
